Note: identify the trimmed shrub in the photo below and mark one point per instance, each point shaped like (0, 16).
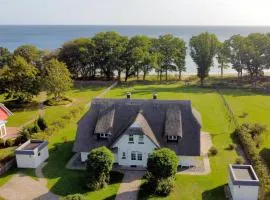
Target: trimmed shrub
(162, 163)
(74, 197)
(34, 128)
(213, 151)
(231, 147)
(42, 123)
(164, 186)
(10, 143)
(239, 160)
(99, 165)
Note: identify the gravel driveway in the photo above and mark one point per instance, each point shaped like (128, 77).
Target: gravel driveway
(22, 187)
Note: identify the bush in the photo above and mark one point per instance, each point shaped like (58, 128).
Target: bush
(2, 143)
(239, 160)
(10, 143)
(231, 147)
(99, 165)
(74, 197)
(34, 128)
(164, 186)
(58, 101)
(42, 123)
(213, 151)
(162, 163)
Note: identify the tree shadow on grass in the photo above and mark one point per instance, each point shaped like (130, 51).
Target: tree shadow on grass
(214, 194)
(66, 181)
(265, 154)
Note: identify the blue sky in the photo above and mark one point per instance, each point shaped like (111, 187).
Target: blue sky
(136, 12)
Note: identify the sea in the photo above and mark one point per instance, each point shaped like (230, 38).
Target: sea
(51, 37)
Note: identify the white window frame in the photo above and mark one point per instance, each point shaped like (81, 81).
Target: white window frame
(124, 155)
(140, 140)
(131, 136)
(136, 155)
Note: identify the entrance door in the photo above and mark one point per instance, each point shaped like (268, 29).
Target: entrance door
(136, 158)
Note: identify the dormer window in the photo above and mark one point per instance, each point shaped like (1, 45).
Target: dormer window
(103, 135)
(172, 138)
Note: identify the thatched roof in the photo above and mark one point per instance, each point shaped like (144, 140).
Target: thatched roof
(105, 121)
(150, 115)
(173, 124)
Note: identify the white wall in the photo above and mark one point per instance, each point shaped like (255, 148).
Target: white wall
(124, 146)
(244, 192)
(32, 161)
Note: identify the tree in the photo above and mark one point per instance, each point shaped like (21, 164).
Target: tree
(223, 56)
(172, 51)
(5, 56)
(203, 48)
(99, 165)
(161, 169)
(57, 78)
(78, 55)
(30, 53)
(236, 53)
(109, 47)
(21, 80)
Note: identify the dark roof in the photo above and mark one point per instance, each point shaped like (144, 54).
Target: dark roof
(173, 125)
(150, 115)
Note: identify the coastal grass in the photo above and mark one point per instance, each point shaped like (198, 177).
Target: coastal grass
(215, 121)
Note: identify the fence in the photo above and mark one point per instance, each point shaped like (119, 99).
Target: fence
(231, 114)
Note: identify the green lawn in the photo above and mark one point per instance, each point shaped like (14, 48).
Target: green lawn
(214, 116)
(257, 107)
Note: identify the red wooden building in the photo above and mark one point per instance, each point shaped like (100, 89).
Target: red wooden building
(4, 114)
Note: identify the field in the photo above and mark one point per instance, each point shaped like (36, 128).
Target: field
(215, 121)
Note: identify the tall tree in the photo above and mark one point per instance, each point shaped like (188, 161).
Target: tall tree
(203, 48)
(21, 80)
(109, 47)
(30, 53)
(236, 53)
(223, 56)
(57, 78)
(78, 55)
(171, 49)
(5, 56)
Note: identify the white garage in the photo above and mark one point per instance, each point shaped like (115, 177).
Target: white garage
(243, 182)
(32, 153)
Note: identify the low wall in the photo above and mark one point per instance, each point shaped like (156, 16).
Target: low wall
(7, 166)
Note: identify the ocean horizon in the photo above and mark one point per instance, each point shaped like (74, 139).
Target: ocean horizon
(51, 37)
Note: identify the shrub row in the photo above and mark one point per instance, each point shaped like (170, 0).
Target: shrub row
(7, 143)
(249, 146)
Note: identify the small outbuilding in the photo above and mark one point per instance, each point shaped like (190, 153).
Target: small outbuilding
(32, 153)
(243, 182)
(4, 114)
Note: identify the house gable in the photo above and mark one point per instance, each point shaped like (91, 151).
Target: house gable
(4, 112)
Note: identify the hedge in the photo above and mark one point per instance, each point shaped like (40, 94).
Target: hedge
(249, 146)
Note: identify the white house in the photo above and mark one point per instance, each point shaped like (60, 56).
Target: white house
(32, 153)
(4, 114)
(243, 182)
(134, 128)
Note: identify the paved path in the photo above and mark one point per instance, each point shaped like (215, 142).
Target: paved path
(22, 187)
(130, 185)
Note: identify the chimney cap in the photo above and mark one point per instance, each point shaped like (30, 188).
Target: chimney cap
(128, 95)
(155, 95)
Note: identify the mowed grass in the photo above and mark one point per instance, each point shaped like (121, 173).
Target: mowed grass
(215, 121)
(257, 107)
